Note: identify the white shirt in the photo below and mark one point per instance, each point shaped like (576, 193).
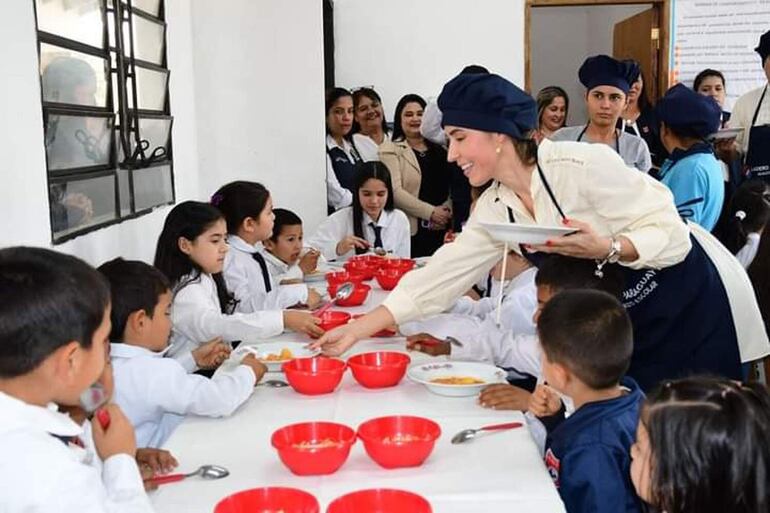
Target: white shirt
(40, 474)
(591, 183)
(749, 250)
(196, 318)
(519, 302)
(244, 279)
(156, 393)
(336, 195)
(367, 149)
(743, 113)
(281, 271)
(632, 148)
(430, 127)
(394, 234)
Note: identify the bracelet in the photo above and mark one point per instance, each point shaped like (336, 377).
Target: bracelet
(612, 257)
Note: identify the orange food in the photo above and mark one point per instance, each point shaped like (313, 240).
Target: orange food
(404, 438)
(457, 380)
(285, 354)
(309, 445)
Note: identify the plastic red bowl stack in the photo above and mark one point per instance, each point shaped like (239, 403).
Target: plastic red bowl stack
(402, 264)
(388, 278)
(335, 278)
(357, 298)
(399, 441)
(288, 500)
(314, 376)
(332, 318)
(360, 267)
(380, 501)
(379, 369)
(313, 448)
(373, 260)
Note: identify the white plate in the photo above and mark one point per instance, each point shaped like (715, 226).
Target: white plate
(726, 133)
(425, 372)
(525, 233)
(261, 351)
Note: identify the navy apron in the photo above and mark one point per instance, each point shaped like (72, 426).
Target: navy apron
(758, 154)
(681, 318)
(344, 169)
(617, 140)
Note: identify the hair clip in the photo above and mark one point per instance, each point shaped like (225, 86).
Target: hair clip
(216, 199)
(741, 215)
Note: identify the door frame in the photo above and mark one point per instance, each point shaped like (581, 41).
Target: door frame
(664, 15)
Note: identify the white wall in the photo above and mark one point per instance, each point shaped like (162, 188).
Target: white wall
(562, 37)
(415, 46)
(246, 95)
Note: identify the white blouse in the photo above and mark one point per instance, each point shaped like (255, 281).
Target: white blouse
(395, 233)
(367, 149)
(748, 252)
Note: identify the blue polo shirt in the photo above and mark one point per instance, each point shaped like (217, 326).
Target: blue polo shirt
(588, 455)
(695, 178)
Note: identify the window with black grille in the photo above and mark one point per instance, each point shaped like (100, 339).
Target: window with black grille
(106, 111)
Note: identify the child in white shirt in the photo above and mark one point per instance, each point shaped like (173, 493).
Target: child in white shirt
(283, 254)
(156, 392)
(191, 253)
(371, 223)
(53, 340)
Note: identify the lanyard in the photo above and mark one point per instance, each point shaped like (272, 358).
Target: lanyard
(580, 138)
(756, 112)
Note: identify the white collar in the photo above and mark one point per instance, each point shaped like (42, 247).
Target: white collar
(17, 414)
(121, 350)
(277, 262)
(331, 143)
(241, 245)
(523, 277)
(384, 220)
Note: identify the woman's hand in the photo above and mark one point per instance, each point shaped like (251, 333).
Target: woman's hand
(441, 215)
(584, 243)
(336, 341)
(350, 242)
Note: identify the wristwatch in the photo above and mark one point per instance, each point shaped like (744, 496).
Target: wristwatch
(613, 257)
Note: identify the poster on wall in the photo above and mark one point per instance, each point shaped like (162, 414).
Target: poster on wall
(721, 35)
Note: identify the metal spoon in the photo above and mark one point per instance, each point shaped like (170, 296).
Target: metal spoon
(469, 434)
(273, 383)
(206, 472)
(344, 291)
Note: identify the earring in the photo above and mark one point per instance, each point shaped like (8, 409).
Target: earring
(498, 150)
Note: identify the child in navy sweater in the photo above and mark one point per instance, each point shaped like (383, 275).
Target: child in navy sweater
(586, 338)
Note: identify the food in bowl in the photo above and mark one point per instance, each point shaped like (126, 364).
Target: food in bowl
(313, 448)
(309, 445)
(457, 380)
(284, 355)
(402, 438)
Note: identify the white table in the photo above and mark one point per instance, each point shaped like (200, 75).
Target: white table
(495, 473)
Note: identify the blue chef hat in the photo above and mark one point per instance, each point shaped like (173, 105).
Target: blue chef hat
(688, 111)
(489, 103)
(603, 70)
(763, 49)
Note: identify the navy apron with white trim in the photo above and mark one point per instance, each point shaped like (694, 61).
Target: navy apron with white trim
(344, 169)
(681, 318)
(758, 154)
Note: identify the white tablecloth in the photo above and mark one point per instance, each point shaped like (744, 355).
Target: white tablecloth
(502, 472)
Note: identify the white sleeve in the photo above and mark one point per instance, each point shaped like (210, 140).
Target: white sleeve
(193, 316)
(244, 279)
(474, 308)
(124, 487)
(404, 245)
(330, 232)
(430, 128)
(503, 348)
(336, 195)
(184, 394)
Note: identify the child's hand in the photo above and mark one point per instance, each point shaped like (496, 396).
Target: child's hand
(313, 299)
(147, 473)
(119, 437)
(504, 397)
(309, 261)
(156, 460)
(350, 242)
(544, 401)
(303, 322)
(211, 354)
(258, 367)
(428, 344)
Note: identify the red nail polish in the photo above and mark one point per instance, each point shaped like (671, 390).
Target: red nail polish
(565, 221)
(548, 243)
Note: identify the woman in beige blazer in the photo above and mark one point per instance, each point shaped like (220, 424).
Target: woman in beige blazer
(421, 177)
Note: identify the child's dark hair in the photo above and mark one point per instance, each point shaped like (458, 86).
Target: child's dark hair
(283, 217)
(135, 286)
(559, 272)
(709, 449)
(398, 130)
(49, 300)
(188, 219)
(749, 212)
(239, 200)
(370, 93)
(703, 75)
(589, 332)
(367, 171)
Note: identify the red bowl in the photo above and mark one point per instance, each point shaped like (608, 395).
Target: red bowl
(330, 319)
(380, 501)
(337, 277)
(316, 458)
(257, 500)
(388, 278)
(399, 441)
(314, 376)
(404, 264)
(357, 298)
(379, 369)
(387, 332)
(372, 260)
(360, 267)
